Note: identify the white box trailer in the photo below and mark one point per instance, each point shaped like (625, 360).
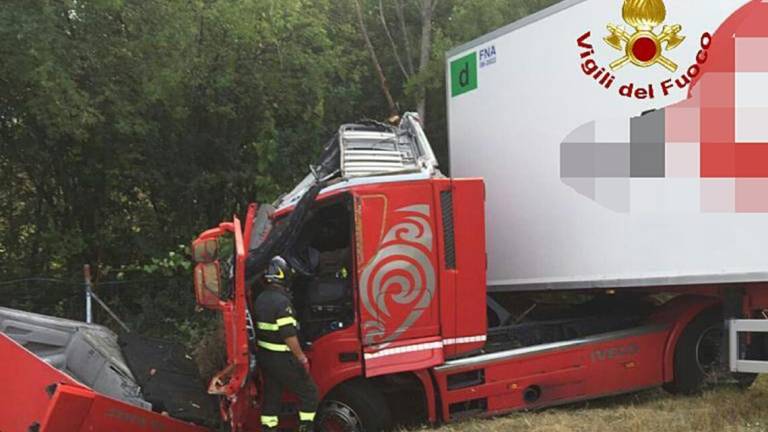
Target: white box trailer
(580, 193)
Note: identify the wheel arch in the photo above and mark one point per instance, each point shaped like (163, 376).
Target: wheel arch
(680, 312)
(327, 386)
(420, 380)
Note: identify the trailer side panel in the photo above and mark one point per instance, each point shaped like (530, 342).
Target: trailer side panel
(582, 191)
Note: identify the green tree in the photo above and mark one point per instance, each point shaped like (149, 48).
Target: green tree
(126, 127)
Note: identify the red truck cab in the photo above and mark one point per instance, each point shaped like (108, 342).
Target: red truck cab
(394, 313)
(398, 282)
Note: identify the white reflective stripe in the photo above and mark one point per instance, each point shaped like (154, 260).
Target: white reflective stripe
(404, 349)
(464, 340)
(424, 346)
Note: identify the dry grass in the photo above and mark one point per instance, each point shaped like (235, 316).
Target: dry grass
(722, 410)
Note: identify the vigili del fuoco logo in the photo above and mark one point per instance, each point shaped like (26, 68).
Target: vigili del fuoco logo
(642, 47)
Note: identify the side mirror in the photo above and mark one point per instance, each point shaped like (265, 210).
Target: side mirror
(208, 284)
(205, 250)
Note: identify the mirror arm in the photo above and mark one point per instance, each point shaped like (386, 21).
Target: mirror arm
(223, 227)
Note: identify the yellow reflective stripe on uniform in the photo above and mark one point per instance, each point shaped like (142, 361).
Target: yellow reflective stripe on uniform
(274, 347)
(286, 321)
(270, 421)
(306, 416)
(275, 327)
(267, 326)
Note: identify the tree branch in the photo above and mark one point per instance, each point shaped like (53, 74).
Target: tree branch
(382, 79)
(406, 39)
(392, 41)
(427, 9)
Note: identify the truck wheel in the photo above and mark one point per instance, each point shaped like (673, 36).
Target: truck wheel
(697, 357)
(354, 407)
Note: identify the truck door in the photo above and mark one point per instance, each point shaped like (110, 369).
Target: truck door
(396, 277)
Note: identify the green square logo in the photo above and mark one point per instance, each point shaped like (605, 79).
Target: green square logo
(464, 74)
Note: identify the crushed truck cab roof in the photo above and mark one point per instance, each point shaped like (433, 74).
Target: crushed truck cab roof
(370, 152)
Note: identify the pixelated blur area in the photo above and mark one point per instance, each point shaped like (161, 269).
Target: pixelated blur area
(708, 153)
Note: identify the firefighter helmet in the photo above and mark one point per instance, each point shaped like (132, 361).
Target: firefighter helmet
(278, 271)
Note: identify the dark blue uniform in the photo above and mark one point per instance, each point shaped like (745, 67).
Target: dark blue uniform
(275, 322)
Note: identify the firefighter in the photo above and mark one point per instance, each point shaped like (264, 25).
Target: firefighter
(280, 357)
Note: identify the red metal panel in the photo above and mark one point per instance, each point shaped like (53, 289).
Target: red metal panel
(628, 364)
(410, 355)
(396, 270)
(231, 382)
(36, 393)
(371, 213)
(429, 394)
(25, 378)
(572, 373)
(328, 369)
(106, 414)
(448, 300)
(469, 232)
(68, 409)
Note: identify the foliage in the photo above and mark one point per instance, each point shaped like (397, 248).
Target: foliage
(126, 127)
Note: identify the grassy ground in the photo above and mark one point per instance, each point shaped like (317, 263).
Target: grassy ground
(722, 410)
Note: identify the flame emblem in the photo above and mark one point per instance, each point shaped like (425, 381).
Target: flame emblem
(643, 48)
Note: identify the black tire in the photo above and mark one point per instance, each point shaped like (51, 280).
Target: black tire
(697, 359)
(354, 407)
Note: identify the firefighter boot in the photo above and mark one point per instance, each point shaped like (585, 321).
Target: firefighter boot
(269, 423)
(306, 427)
